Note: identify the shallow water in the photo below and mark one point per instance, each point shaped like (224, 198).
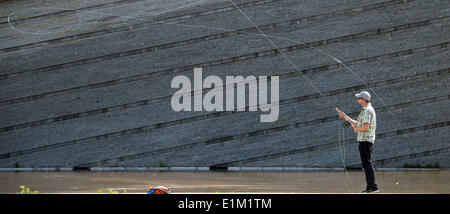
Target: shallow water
(226, 182)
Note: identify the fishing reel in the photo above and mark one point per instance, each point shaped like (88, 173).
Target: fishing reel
(346, 124)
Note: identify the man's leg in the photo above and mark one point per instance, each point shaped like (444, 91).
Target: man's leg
(362, 154)
(365, 151)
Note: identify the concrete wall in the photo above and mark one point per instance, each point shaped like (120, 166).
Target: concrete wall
(97, 91)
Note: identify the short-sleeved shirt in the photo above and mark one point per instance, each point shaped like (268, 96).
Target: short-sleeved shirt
(367, 115)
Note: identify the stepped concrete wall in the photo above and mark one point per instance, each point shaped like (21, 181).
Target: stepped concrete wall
(96, 92)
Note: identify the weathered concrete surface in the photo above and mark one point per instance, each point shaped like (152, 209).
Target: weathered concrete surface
(99, 94)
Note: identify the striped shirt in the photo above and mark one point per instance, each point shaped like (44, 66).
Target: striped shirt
(367, 115)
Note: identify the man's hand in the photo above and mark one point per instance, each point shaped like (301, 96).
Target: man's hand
(347, 118)
(355, 130)
(342, 114)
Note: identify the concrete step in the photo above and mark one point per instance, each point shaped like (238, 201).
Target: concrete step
(204, 131)
(79, 54)
(74, 22)
(303, 137)
(96, 98)
(112, 108)
(24, 159)
(57, 109)
(142, 113)
(441, 159)
(393, 146)
(213, 12)
(8, 7)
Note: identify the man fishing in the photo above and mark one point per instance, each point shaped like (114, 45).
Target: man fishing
(364, 127)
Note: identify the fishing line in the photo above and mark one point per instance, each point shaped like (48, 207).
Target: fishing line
(332, 57)
(341, 143)
(335, 59)
(261, 33)
(275, 46)
(91, 12)
(304, 77)
(315, 88)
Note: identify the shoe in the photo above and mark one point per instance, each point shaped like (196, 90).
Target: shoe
(370, 190)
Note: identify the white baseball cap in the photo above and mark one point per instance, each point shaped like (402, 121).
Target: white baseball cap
(363, 94)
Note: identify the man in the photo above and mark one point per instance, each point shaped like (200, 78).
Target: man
(364, 127)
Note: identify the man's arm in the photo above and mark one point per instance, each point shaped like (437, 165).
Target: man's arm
(365, 120)
(364, 128)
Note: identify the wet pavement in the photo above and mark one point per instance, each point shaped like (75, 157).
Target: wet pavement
(226, 182)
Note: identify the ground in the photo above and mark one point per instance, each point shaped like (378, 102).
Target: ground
(225, 182)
